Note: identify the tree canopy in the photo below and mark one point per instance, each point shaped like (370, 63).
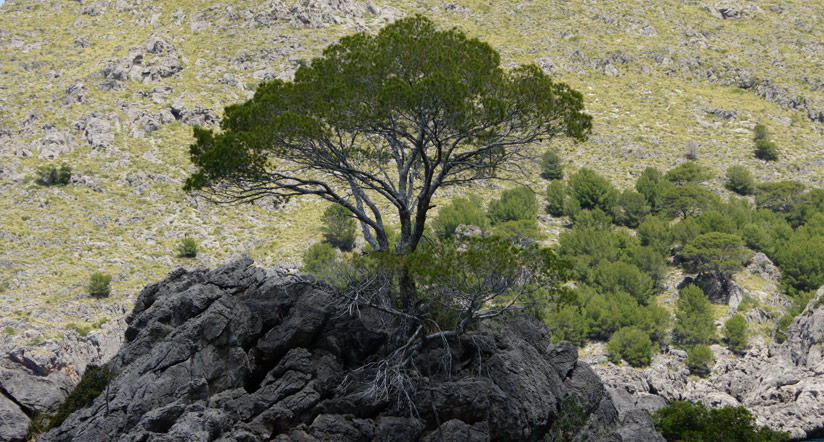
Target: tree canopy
(393, 116)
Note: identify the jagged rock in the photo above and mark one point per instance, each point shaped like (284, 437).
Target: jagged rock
(195, 117)
(245, 353)
(780, 384)
(75, 93)
(13, 422)
(760, 264)
(54, 144)
(97, 129)
(81, 42)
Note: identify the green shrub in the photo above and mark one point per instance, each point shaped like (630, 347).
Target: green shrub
(735, 333)
(521, 232)
(780, 196)
(655, 232)
(686, 200)
(93, 383)
(687, 173)
(594, 219)
(651, 185)
(740, 180)
(52, 175)
(460, 210)
(630, 209)
(694, 322)
(567, 324)
(551, 166)
(556, 196)
(100, 284)
(715, 221)
(624, 277)
(606, 313)
(802, 263)
(339, 227)
(515, 204)
(187, 247)
(318, 258)
(632, 345)
(760, 132)
(592, 190)
(781, 327)
(714, 253)
(683, 421)
(567, 426)
(700, 360)
(766, 150)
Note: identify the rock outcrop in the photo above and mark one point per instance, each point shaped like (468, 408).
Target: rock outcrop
(781, 383)
(243, 353)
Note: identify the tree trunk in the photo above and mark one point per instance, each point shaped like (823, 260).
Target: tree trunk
(409, 293)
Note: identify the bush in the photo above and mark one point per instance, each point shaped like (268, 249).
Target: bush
(802, 263)
(655, 232)
(521, 232)
(694, 323)
(318, 258)
(594, 219)
(686, 173)
(632, 345)
(766, 150)
(567, 324)
(93, 383)
(592, 190)
(556, 196)
(620, 276)
(99, 284)
(51, 175)
(740, 180)
(339, 227)
(781, 196)
(700, 360)
(466, 211)
(187, 247)
(760, 132)
(683, 421)
(735, 333)
(686, 200)
(514, 205)
(631, 208)
(715, 221)
(714, 253)
(551, 167)
(651, 185)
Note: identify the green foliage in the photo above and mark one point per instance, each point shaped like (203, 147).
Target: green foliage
(651, 184)
(187, 247)
(700, 359)
(780, 196)
(782, 325)
(632, 345)
(318, 258)
(592, 190)
(339, 227)
(735, 333)
(802, 263)
(714, 253)
(715, 221)
(630, 209)
(556, 196)
(687, 173)
(594, 219)
(585, 247)
(619, 276)
(760, 132)
(99, 284)
(766, 150)
(515, 204)
(567, 425)
(521, 232)
(694, 322)
(551, 166)
(460, 210)
(567, 324)
(740, 180)
(93, 383)
(52, 175)
(655, 232)
(344, 118)
(685, 200)
(686, 422)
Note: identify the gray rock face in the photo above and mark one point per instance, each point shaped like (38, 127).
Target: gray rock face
(13, 422)
(780, 384)
(246, 354)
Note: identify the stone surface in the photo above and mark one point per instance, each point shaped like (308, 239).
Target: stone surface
(245, 353)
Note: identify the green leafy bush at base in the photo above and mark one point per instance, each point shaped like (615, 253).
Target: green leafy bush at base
(700, 360)
(551, 166)
(740, 180)
(187, 247)
(766, 150)
(339, 227)
(683, 421)
(51, 175)
(100, 284)
(466, 211)
(318, 257)
(515, 205)
(735, 333)
(93, 383)
(632, 345)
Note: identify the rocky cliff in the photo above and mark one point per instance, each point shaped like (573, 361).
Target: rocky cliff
(781, 384)
(243, 353)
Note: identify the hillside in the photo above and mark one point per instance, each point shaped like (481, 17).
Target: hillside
(112, 87)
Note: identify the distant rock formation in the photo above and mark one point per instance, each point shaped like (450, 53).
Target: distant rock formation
(243, 353)
(781, 383)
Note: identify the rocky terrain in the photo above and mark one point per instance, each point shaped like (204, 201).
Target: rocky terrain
(242, 353)
(112, 88)
(780, 383)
